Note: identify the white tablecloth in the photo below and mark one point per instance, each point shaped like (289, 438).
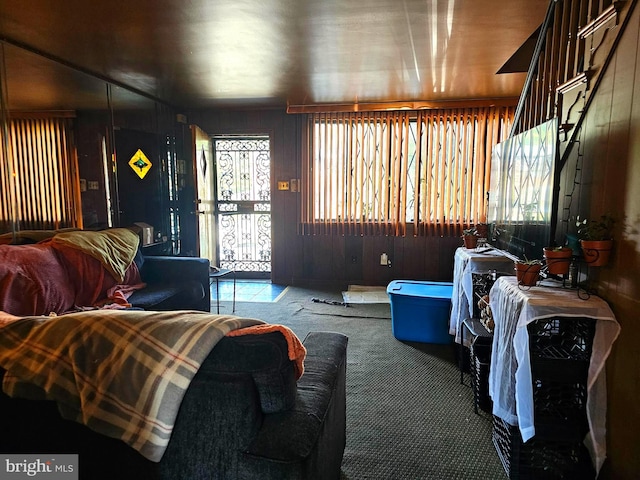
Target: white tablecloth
(465, 263)
(510, 384)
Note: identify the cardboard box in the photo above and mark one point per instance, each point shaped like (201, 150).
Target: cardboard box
(420, 310)
(146, 233)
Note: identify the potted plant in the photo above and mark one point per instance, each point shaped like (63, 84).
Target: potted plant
(527, 272)
(470, 238)
(557, 259)
(596, 239)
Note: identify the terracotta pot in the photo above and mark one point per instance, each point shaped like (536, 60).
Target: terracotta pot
(470, 241)
(596, 252)
(558, 261)
(527, 275)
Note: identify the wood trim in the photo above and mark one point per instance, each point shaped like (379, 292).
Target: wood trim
(576, 81)
(39, 115)
(391, 106)
(611, 12)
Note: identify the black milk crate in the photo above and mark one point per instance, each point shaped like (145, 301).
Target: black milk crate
(462, 354)
(481, 286)
(480, 358)
(549, 455)
(560, 393)
(558, 338)
(560, 352)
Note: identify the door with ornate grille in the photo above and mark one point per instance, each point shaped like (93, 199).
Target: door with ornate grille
(243, 203)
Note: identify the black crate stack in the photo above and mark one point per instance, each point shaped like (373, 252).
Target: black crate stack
(480, 351)
(480, 355)
(478, 366)
(560, 352)
(482, 283)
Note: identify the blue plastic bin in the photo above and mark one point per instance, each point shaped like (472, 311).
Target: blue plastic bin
(420, 310)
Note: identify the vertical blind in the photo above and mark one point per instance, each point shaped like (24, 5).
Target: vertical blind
(423, 172)
(40, 163)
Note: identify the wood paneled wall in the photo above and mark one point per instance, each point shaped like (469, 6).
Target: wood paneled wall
(608, 156)
(325, 259)
(91, 128)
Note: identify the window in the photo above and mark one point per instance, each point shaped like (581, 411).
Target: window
(43, 191)
(391, 173)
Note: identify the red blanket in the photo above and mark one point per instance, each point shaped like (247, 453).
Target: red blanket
(33, 281)
(39, 279)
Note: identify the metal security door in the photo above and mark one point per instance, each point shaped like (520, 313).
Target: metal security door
(243, 203)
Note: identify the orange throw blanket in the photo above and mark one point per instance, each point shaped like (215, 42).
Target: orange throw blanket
(295, 350)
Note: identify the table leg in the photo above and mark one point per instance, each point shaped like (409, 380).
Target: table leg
(217, 296)
(234, 292)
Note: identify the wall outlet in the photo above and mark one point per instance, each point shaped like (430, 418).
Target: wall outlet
(283, 185)
(93, 185)
(384, 259)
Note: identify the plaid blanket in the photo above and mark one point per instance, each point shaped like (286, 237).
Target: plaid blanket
(121, 373)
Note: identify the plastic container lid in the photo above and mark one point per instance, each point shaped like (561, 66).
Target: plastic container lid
(416, 288)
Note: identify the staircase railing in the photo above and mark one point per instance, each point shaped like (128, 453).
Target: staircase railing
(575, 41)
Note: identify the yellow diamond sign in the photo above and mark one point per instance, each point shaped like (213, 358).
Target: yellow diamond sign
(140, 164)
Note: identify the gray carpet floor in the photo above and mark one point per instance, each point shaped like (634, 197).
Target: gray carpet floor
(408, 416)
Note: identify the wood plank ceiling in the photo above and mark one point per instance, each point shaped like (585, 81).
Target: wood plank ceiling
(255, 53)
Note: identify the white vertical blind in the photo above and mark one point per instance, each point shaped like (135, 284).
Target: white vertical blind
(44, 175)
(388, 172)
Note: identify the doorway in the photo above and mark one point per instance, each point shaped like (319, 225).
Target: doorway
(243, 204)
(240, 226)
